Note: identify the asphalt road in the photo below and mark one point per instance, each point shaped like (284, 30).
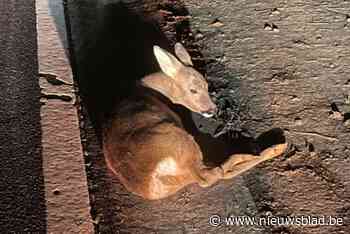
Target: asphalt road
(22, 199)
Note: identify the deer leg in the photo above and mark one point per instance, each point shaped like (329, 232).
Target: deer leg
(209, 176)
(235, 165)
(239, 163)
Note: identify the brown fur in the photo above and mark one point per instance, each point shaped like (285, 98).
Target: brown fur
(145, 144)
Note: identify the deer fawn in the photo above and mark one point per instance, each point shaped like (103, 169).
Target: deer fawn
(146, 145)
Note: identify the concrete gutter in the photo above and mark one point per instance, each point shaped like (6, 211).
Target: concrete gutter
(66, 191)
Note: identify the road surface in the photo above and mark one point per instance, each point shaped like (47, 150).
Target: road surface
(22, 200)
(270, 64)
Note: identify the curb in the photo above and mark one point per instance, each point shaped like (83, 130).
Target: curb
(66, 190)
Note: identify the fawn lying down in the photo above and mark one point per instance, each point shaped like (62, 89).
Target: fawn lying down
(146, 145)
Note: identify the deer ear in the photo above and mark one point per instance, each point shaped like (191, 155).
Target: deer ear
(167, 62)
(182, 54)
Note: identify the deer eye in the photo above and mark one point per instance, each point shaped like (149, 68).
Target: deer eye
(193, 91)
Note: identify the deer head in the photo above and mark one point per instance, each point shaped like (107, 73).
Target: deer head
(182, 84)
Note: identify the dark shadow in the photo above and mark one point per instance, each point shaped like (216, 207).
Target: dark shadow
(121, 56)
(217, 150)
(269, 138)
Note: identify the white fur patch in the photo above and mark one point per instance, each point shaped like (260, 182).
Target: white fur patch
(167, 166)
(207, 115)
